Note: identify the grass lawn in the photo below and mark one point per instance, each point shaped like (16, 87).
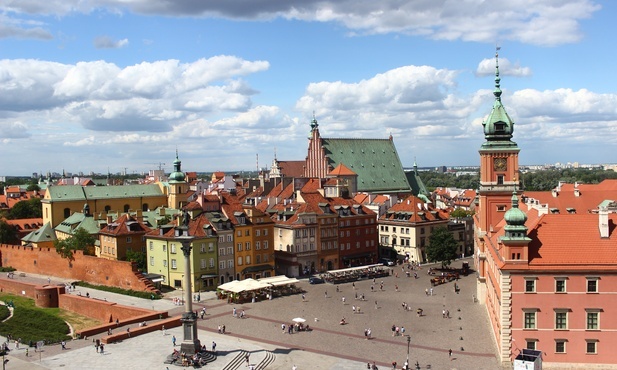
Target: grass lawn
(32, 324)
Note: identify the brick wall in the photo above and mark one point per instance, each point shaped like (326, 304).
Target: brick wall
(101, 310)
(46, 261)
(17, 287)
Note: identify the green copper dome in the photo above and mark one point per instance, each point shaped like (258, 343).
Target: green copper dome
(177, 175)
(498, 126)
(514, 216)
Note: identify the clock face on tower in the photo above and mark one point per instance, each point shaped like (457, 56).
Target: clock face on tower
(500, 164)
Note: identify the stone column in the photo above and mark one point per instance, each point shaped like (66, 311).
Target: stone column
(190, 343)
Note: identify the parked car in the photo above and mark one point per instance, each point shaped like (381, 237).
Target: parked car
(316, 280)
(386, 262)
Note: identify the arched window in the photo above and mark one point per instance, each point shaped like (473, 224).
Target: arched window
(107, 209)
(126, 208)
(67, 212)
(145, 207)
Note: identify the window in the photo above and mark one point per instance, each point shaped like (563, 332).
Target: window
(239, 247)
(560, 346)
(257, 232)
(248, 260)
(258, 258)
(202, 249)
(229, 238)
(257, 245)
(202, 263)
(592, 346)
(529, 318)
(592, 285)
(560, 285)
(248, 246)
(151, 246)
(499, 179)
(265, 232)
(240, 261)
(265, 245)
(561, 319)
(128, 239)
(173, 264)
(230, 250)
(247, 232)
(221, 265)
(164, 263)
(221, 251)
(230, 264)
(210, 247)
(151, 260)
(501, 208)
(265, 258)
(211, 263)
(530, 285)
(239, 232)
(173, 248)
(531, 343)
(593, 319)
(164, 248)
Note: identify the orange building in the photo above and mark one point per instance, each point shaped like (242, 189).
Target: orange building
(546, 261)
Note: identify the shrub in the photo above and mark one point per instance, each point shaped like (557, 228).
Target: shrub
(129, 292)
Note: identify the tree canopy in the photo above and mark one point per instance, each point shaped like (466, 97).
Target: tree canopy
(8, 233)
(441, 246)
(30, 208)
(138, 257)
(80, 240)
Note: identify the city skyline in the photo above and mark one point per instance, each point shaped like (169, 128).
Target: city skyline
(117, 84)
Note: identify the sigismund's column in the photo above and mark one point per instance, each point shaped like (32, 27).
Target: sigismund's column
(190, 343)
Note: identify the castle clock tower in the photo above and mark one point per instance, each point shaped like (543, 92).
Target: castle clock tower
(498, 163)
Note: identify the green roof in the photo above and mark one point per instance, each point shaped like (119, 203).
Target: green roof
(78, 192)
(375, 161)
(43, 234)
(77, 220)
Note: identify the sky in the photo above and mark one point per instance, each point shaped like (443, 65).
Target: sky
(120, 85)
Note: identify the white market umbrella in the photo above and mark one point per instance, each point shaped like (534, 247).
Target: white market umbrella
(298, 319)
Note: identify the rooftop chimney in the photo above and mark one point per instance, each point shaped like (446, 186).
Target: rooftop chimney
(603, 222)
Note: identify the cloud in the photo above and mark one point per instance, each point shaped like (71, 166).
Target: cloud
(106, 42)
(23, 29)
(13, 130)
(506, 68)
(538, 22)
(149, 97)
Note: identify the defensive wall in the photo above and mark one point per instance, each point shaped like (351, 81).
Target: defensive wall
(94, 270)
(101, 310)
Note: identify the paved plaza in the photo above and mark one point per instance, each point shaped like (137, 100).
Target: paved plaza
(328, 346)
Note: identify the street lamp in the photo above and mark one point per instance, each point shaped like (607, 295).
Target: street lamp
(408, 343)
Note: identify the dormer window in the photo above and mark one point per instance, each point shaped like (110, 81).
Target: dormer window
(500, 128)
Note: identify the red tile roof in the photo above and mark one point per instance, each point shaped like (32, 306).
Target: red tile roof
(589, 196)
(341, 170)
(291, 168)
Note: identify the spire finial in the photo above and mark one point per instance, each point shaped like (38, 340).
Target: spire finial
(497, 91)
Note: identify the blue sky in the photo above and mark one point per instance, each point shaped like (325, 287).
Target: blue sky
(114, 84)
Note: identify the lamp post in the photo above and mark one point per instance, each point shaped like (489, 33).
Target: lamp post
(190, 343)
(408, 344)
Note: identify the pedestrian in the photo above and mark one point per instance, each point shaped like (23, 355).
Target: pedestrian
(396, 287)
(128, 332)
(447, 314)
(450, 354)
(234, 312)
(283, 327)
(369, 333)
(303, 297)
(63, 344)
(356, 295)
(219, 329)
(353, 308)
(96, 346)
(376, 307)
(393, 364)
(443, 314)
(343, 299)
(214, 346)
(431, 290)
(402, 330)
(426, 291)
(242, 314)
(163, 329)
(102, 349)
(325, 294)
(246, 357)
(353, 285)
(393, 329)
(337, 290)
(294, 367)
(48, 280)
(223, 329)
(173, 340)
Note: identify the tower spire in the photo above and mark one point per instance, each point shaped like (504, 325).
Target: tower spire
(497, 91)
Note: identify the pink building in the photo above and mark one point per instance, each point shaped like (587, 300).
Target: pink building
(547, 263)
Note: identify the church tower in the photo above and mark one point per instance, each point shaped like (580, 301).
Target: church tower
(498, 162)
(178, 187)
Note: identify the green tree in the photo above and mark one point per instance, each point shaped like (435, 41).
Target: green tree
(8, 233)
(30, 208)
(459, 213)
(441, 247)
(80, 240)
(33, 187)
(138, 257)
